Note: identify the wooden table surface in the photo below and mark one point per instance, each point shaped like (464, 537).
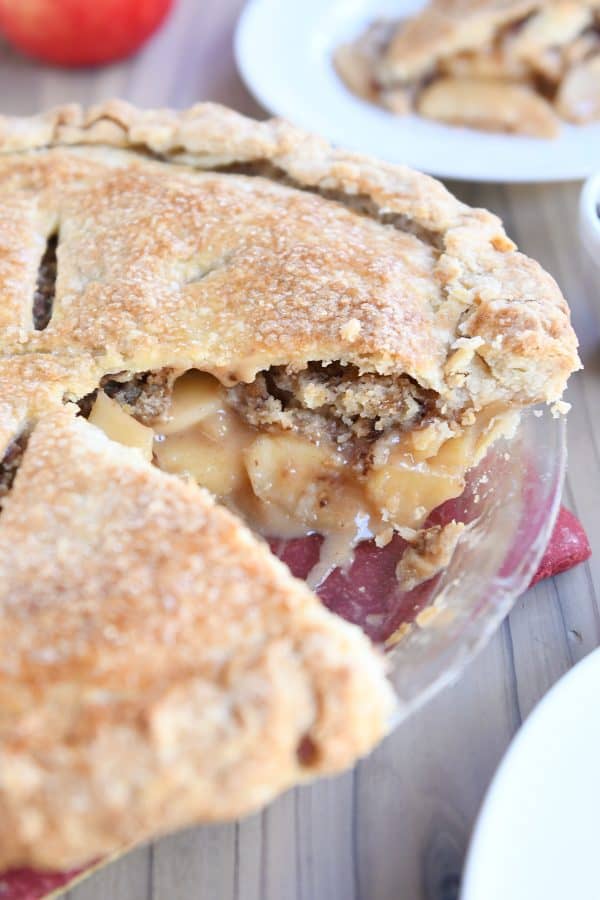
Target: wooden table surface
(397, 827)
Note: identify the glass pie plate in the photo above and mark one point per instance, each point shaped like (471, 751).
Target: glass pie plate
(509, 507)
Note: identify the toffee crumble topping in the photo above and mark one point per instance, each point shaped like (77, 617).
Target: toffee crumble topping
(146, 395)
(334, 400)
(322, 400)
(325, 404)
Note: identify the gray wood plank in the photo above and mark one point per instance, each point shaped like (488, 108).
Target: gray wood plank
(325, 839)
(127, 878)
(196, 863)
(418, 793)
(250, 858)
(278, 858)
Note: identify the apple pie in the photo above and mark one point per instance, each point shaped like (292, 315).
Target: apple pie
(513, 66)
(216, 330)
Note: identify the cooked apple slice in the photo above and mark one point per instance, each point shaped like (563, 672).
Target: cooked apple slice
(578, 98)
(554, 26)
(108, 415)
(354, 63)
(216, 466)
(489, 104)
(355, 70)
(491, 62)
(196, 395)
(406, 492)
(307, 482)
(584, 47)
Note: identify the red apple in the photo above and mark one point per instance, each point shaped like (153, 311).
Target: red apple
(80, 32)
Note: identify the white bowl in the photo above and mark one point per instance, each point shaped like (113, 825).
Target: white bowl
(589, 218)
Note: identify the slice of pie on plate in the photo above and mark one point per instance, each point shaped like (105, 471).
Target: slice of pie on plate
(327, 344)
(518, 66)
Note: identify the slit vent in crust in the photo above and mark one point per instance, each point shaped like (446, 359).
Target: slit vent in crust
(45, 289)
(9, 464)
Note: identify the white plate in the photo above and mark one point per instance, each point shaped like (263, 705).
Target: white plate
(538, 833)
(283, 51)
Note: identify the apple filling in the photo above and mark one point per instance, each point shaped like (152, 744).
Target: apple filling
(322, 451)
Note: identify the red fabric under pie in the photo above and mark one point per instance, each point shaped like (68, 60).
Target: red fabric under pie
(367, 593)
(568, 546)
(27, 884)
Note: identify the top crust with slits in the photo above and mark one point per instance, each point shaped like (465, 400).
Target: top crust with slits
(166, 256)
